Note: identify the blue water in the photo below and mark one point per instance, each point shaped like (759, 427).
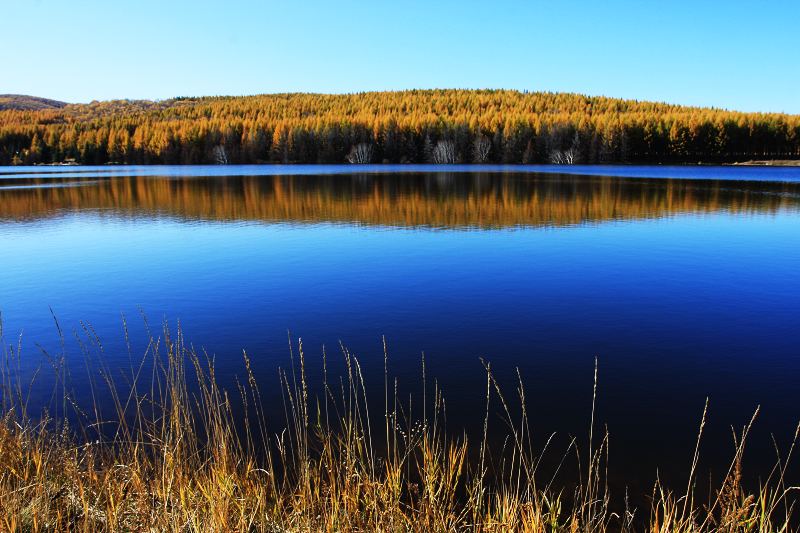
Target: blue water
(678, 300)
(744, 173)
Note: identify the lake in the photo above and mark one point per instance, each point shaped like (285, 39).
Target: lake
(684, 282)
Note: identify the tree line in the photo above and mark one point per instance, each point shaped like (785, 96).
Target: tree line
(430, 126)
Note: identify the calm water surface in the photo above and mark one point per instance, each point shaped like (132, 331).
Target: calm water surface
(684, 282)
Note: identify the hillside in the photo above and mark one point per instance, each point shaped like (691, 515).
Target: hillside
(438, 126)
(27, 103)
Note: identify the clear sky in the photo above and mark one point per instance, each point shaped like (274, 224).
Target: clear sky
(734, 54)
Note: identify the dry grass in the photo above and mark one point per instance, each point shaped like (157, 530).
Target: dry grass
(174, 458)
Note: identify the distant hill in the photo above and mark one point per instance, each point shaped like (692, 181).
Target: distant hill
(28, 103)
(416, 126)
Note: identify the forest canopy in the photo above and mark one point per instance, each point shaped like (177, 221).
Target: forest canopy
(417, 126)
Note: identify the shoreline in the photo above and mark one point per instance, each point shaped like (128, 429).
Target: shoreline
(749, 163)
(179, 456)
(769, 163)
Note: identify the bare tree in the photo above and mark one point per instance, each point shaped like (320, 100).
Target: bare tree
(563, 157)
(567, 157)
(480, 148)
(444, 153)
(219, 155)
(360, 154)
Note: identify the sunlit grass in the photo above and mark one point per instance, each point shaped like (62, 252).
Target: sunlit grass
(176, 456)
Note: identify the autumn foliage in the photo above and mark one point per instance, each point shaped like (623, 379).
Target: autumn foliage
(430, 126)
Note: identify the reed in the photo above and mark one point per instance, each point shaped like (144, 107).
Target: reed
(179, 453)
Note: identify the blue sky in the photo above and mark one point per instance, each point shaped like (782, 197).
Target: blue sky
(732, 54)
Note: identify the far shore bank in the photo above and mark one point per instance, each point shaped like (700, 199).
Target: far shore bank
(771, 163)
(750, 163)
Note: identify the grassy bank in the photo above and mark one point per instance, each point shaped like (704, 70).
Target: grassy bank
(178, 453)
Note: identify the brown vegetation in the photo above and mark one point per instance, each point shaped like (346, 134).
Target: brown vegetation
(494, 126)
(172, 457)
(21, 102)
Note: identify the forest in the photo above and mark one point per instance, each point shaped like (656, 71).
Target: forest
(415, 126)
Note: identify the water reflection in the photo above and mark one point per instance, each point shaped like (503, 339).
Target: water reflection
(442, 199)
